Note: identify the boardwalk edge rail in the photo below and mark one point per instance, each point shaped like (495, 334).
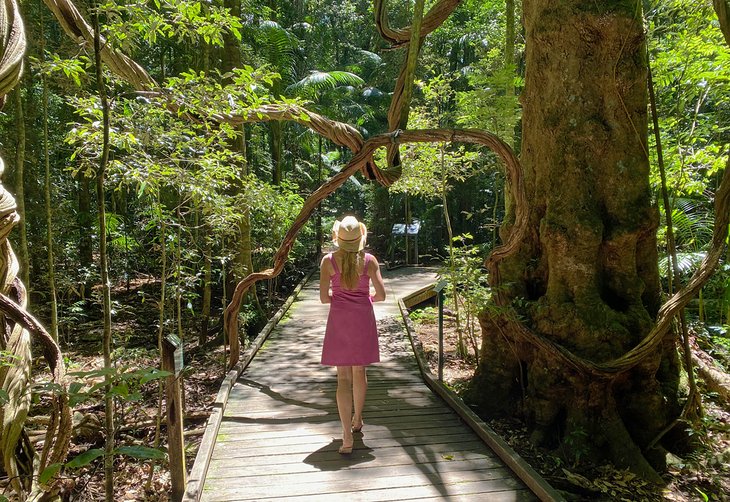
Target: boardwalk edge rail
(519, 466)
(196, 479)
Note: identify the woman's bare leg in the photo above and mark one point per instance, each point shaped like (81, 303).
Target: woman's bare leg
(344, 403)
(359, 389)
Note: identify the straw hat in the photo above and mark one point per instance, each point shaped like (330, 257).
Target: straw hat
(349, 234)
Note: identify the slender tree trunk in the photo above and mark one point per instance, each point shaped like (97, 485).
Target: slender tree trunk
(160, 331)
(320, 237)
(179, 274)
(23, 253)
(460, 348)
(275, 129)
(207, 289)
(587, 273)
(104, 270)
(49, 211)
(86, 230)
(509, 39)
(382, 222)
(243, 255)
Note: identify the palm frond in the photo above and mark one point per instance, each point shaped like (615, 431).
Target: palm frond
(320, 81)
(278, 47)
(686, 262)
(692, 230)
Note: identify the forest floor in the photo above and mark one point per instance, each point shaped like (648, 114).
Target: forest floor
(135, 338)
(703, 475)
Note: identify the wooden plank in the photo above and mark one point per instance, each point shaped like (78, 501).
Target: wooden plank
(360, 480)
(231, 449)
(404, 462)
(453, 472)
(371, 431)
(420, 296)
(258, 406)
(376, 489)
(376, 389)
(382, 420)
(327, 458)
(522, 495)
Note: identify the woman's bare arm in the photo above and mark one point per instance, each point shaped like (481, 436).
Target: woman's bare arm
(377, 278)
(325, 272)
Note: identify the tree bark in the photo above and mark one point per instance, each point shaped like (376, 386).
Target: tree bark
(587, 271)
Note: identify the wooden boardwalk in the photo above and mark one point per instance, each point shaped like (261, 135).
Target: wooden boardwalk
(280, 430)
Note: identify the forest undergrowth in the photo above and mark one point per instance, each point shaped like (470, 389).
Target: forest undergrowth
(135, 332)
(702, 475)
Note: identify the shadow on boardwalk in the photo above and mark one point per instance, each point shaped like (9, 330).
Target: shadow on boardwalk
(280, 431)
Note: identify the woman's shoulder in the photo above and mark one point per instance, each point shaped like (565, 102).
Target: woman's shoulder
(326, 261)
(370, 258)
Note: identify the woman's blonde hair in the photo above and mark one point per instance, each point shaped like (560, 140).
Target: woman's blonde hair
(350, 263)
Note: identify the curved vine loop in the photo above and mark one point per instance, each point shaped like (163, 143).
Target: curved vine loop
(16, 324)
(398, 37)
(76, 27)
(513, 174)
(413, 36)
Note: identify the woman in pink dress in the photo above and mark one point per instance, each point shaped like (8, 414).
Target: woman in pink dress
(351, 336)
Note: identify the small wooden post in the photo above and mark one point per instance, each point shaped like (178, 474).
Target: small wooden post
(439, 288)
(172, 361)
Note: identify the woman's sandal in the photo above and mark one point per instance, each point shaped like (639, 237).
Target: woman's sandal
(356, 428)
(345, 450)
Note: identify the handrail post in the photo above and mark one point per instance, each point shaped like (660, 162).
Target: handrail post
(439, 288)
(172, 361)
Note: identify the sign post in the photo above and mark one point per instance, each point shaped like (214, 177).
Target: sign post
(410, 230)
(172, 361)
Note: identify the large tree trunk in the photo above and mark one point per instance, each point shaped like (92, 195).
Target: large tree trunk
(588, 269)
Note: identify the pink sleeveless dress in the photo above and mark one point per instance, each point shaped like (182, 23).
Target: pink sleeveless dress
(351, 336)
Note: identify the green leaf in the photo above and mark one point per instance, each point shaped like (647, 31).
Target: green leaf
(153, 374)
(85, 458)
(141, 452)
(49, 472)
(121, 390)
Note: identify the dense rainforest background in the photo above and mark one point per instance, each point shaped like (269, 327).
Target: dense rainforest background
(157, 153)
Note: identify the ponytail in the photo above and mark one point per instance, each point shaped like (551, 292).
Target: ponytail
(350, 262)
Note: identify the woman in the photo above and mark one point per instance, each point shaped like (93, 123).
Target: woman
(351, 336)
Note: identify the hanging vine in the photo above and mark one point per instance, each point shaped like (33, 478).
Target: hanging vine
(21, 463)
